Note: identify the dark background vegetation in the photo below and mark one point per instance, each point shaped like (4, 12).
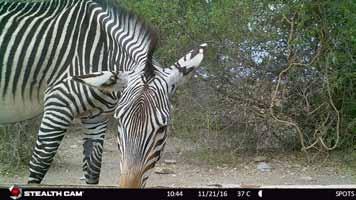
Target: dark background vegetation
(278, 75)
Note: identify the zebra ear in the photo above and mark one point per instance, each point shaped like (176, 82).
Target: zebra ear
(105, 81)
(188, 63)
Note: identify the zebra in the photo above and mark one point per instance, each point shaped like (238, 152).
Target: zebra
(88, 97)
(144, 113)
(55, 48)
(44, 43)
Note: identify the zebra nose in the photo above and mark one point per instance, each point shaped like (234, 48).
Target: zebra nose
(129, 182)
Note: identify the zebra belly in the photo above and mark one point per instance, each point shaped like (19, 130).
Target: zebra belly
(17, 110)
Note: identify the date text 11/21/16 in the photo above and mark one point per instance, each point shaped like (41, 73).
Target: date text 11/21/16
(210, 193)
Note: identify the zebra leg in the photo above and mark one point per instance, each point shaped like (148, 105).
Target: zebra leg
(54, 124)
(93, 147)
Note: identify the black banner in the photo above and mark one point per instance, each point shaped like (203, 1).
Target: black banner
(28, 193)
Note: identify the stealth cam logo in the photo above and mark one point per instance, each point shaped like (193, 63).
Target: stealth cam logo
(15, 192)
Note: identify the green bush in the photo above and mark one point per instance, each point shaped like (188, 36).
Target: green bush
(239, 31)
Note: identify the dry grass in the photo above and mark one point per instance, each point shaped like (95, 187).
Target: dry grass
(16, 144)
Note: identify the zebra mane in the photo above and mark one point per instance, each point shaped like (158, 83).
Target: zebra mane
(146, 30)
(149, 69)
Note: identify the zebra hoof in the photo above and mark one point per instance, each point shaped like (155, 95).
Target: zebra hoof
(92, 182)
(33, 183)
(89, 180)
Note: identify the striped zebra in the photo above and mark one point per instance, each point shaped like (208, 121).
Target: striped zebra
(92, 98)
(144, 112)
(44, 43)
(63, 58)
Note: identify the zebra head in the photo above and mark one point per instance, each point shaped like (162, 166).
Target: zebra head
(143, 115)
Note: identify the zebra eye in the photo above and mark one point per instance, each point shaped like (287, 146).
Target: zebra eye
(161, 129)
(173, 88)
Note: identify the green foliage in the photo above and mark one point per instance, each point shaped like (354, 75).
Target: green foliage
(257, 36)
(182, 24)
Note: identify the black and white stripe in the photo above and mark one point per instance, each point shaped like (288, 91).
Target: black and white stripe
(90, 98)
(42, 44)
(143, 115)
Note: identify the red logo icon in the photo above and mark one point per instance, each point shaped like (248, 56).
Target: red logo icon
(15, 192)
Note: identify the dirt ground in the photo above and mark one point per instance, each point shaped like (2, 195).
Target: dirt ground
(286, 169)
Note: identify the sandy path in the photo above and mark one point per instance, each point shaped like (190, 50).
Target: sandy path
(67, 169)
